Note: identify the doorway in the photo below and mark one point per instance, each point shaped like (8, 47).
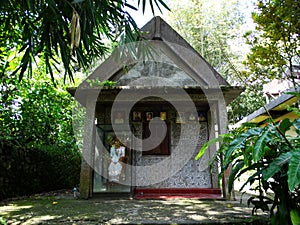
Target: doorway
(113, 157)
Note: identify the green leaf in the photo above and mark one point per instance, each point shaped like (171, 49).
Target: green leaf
(252, 132)
(276, 165)
(259, 147)
(77, 1)
(296, 124)
(152, 8)
(2, 221)
(234, 171)
(163, 4)
(131, 6)
(228, 154)
(295, 216)
(210, 142)
(294, 170)
(239, 142)
(285, 125)
(144, 6)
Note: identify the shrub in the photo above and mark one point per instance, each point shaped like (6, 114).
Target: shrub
(28, 170)
(274, 157)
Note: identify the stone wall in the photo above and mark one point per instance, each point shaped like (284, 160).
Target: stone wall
(194, 174)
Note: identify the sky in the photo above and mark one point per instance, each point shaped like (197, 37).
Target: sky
(140, 18)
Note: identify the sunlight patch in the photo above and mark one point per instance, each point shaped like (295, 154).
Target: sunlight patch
(39, 219)
(197, 217)
(11, 208)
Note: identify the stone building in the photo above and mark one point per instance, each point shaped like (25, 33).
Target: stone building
(142, 134)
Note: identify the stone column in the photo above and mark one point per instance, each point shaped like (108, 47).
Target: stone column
(213, 133)
(88, 150)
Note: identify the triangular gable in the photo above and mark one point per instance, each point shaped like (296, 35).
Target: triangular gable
(177, 51)
(158, 29)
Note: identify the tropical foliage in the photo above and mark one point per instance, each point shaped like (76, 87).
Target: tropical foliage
(275, 41)
(213, 29)
(37, 147)
(70, 33)
(274, 53)
(35, 113)
(269, 153)
(273, 157)
(251, 99)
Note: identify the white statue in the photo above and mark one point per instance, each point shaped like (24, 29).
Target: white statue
(115, 168)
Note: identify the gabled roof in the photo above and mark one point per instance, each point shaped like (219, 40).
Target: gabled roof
(277, 109)
(165, 39)
(158, 29)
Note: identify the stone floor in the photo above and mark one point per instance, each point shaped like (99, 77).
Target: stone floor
(64, 209)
